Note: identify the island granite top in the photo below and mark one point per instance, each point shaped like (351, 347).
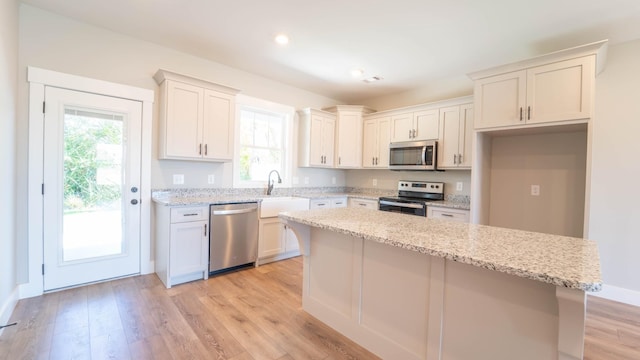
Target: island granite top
(559, 260)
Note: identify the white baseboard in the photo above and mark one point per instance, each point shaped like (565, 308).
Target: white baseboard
(7, 308)
(626, 296)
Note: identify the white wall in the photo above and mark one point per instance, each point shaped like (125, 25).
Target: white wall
(8, 103)
(57, 43)
(614, 218)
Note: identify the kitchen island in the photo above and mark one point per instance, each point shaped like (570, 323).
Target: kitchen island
(406, 287)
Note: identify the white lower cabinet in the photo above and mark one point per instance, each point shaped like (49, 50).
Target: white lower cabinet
(276, 241)
(328, 203)
(182, 244)
(363, 203)
(459, 215)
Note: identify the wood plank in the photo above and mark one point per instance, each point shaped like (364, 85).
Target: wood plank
(246, 315)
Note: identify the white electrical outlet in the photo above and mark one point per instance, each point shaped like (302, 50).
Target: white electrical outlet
(375, 182)
(295, 180)
(333, 180)
(178, 179)
(459, 186)
(211, 179)
(306, 180)
(535, 190)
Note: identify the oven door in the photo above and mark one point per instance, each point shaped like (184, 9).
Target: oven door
(405, 208)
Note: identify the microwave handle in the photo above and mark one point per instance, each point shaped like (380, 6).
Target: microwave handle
(424, 155)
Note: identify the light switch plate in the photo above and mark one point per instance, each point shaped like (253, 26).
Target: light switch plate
(178, 179)
(375, 182)
(211, 179)
(535, 190)
(459, 186)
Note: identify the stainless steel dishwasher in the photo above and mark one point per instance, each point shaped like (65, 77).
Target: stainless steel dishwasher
(233, 238)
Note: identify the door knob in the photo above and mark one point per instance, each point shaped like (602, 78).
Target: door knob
(134, 202)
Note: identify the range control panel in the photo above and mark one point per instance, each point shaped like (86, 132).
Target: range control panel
(421, 186)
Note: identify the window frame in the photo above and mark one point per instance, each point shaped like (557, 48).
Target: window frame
(244, 102)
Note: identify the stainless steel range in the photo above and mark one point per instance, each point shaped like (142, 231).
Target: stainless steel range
(413, 197)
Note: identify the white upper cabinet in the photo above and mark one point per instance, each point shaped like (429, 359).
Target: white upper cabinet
(375, 145)
(348, 150)
(196, 118)
(317, 138)
(456, 129)
(419, 125)
(555, 92)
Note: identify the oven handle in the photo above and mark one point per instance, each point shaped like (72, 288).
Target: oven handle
(393, 203)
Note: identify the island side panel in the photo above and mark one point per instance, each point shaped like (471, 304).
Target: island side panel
(492, 315)
(375, 294)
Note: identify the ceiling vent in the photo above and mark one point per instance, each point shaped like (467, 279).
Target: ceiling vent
(372, 79)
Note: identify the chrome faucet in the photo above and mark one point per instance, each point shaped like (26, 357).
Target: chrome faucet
(270, 183)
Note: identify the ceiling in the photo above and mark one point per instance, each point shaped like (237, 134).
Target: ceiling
(407, 42)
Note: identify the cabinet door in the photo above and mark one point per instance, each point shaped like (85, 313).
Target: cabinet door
(560, 91)
(500, 100)
(271, 238)
(189, 248)
(426, 125)
(218, 126)
(449, 137)
(316, 141)
(466, 136)
(448, 214)
(349, 140)
(384, 138)
(402, 127)
(328, 141)
(184, 108)
(369, 143)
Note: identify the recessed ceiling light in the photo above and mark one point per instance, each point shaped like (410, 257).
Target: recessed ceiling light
(357, 73)
(281, 39)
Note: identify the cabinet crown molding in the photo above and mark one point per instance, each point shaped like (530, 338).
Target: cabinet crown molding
(359, 108)
(598, 48)
(161, 75)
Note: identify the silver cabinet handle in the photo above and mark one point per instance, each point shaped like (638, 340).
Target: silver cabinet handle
(447, 215)
(528, 112)
(520, 113)
(205, 149)
(376, 160)
(233, 212)
(455, 158)
(339, 160)
(199, 149)
(190, 214)
(409, 133)
(414, 132)
(205, 229)
(459, 159)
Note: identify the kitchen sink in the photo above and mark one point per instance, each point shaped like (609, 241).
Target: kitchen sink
(271, 206)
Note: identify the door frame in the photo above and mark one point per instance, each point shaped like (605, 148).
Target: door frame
(38, 79)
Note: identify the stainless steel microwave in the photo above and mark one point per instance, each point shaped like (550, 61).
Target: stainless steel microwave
(413, 155)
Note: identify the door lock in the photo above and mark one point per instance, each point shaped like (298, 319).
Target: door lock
(134, 189)
(134, 202)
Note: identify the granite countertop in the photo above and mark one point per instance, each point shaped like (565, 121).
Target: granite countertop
(199, 197)
(558, 260)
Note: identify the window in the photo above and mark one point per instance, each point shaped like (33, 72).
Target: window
(263, 142)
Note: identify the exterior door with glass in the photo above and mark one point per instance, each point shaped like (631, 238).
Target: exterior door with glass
(92, 154)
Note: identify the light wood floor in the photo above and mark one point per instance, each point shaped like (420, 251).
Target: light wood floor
(251, 314)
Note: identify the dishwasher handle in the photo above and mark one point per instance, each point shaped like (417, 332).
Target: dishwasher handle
(233, 212)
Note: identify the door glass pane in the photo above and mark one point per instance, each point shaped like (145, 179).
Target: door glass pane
(93, 178)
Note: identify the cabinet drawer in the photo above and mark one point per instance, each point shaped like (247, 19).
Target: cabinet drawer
(338, 203)
(449, 214)
(362, 203)
(320, 204)
(186, 214)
